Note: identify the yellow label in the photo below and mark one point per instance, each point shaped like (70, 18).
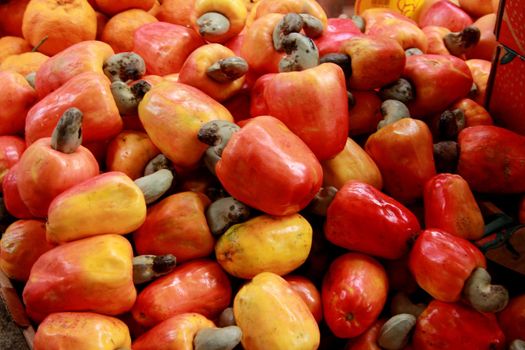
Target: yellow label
(408, 8)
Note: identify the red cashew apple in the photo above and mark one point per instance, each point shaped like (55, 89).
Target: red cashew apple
(444, 13)
(353, 292)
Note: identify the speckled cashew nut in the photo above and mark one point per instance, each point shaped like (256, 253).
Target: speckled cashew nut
(395, 333)
(153, 186)
(127, 98)
(301, 53)
(482, 295)
(216, 133)
(124, 66)
(67, 135)
(294, 23)
(322, 200)
(392, 111)
(225, 338)
(457, 43)
(224, 213)
(228, 69)
(401, 90)
(148, 267)
(213, 24)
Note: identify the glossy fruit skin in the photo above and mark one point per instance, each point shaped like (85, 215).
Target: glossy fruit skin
(403, 152)
(338, 30)
(20, 99)
(81, 331)
(109, 203)
(512, 318)
(91, 274)
(354, 292)
(12, 200)
(176, 332)
(445, 14)
(441, 263)
(308, 292)
(130, 152)
(90, 93)
(272, 315)
(435, 35)
(311, 7)
(11, 149)
(283, 176)
(172, 114)
(491, 159)
(44, 173)
(322, 123)
(451, 206)
(199, 286)
(86, 56)
(111, 7)
(456, 326)
(265, 244)
(21, 245)
(257, 45)
(439, 80)
(386, 23)
(376, 61)
(352, 163)
(176, 225)
(363, 219)
(365, 114)
(165, 46)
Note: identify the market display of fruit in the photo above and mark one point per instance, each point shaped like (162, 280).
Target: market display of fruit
(258, 175)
